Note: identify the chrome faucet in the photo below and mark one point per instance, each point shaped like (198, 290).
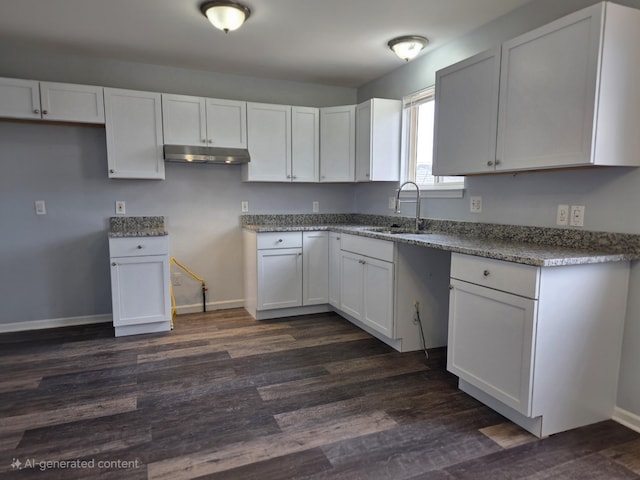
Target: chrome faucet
(398, 202)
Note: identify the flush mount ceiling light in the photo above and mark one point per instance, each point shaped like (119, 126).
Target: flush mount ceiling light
(408, 47)
(226, 16)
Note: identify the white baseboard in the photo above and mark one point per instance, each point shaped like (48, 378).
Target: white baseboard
(54, 323)
(626, 418)
(197, 307)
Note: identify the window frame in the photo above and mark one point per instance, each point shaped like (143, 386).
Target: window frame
(408, 161)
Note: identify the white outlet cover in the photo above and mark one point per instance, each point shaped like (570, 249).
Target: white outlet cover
(577, 216)
(562, 215)
(475, 205)
(244, 206)
(121, 207)
(392, 203)
(41, 207)
(316, 207)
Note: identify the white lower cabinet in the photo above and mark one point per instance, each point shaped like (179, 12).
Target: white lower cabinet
(366, 280)
(334, 269)
(538, 344)
(140, 285)
(286, 273)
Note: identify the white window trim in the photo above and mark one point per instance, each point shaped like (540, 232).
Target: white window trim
(444, 190)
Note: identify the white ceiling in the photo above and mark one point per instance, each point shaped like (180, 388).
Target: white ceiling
(334, 42)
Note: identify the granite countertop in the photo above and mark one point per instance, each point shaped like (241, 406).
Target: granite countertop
(137, 227)
(604, 248)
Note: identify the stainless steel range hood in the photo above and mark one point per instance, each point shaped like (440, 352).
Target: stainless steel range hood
(193, 154)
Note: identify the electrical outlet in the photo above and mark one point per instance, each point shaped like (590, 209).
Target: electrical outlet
(562, 216)
(392, 203)
(121, 207)
(316, 207)
(41, 207)
(176, 279)
(244, 206)
(476, 205)
(577, 216)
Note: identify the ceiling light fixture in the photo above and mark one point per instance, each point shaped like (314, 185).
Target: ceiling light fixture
(226, 16)
(408, 47)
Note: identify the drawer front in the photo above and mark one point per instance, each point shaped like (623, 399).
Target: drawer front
(509, 277)
(370, 247)
(279, 240)
(138, 246)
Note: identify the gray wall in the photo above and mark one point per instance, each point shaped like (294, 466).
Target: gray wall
(611, 196)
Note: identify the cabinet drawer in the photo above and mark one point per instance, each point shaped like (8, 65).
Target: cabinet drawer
(279, 240)
(509, 277)
(138, 246)
(370, 247)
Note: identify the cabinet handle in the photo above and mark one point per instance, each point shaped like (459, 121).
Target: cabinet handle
(36, 111)
(113, 264)
(490, 163)
(486, 273)
(139, 247)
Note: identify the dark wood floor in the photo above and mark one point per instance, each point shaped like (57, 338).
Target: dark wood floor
(227, 397)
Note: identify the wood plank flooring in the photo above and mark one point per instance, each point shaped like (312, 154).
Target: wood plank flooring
(225, 397)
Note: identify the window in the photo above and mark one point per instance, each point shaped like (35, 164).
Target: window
(418, 112)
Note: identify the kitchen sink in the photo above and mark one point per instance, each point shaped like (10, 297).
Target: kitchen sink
(396, 231)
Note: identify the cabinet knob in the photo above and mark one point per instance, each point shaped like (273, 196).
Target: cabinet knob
(322, 176)
(113, 264)
(450, 287)
(337, 238)
(366, 175)
(299, 254)
(288, 176)
(112, 171)
(490, 163)
(294, 177)
(139, 247)
(498, 162)
(210, 141)
(204, 140)
(486, 273)
(44, 112)
(36, 111)
(279, 240)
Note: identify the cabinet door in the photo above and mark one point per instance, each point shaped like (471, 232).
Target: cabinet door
(226, 123)
(184, 120)
(279, 278)
(352, 284)
(134, 134)
(378, 124)
(315, 268)
(140, 290)
(19, 98)
(466, 113)
(547, 94)
(72, 103)
(269, 141)
(337, 144)
(334, 269)
(378, 295)
(491, 342)
(363, 142)
(305, 144)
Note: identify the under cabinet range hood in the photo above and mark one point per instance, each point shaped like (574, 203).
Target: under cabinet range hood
(195, 154)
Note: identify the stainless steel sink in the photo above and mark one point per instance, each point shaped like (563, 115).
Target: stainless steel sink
(396, 231)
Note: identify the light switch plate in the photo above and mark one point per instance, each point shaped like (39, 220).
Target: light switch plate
(316, 207)
(41, 207)
(577, 216)
(121, 207)
(244, 206)
(562, 215)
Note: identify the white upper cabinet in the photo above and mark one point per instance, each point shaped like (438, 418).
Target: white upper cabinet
(466, 103)
(337, 143)
(567, 98)
(201, 121)
(269, 142)
(378, 140)
(305, 144)
(134, 134)
(64, 102)
(283, 143)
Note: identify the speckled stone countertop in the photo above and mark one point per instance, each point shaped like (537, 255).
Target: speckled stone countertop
(537, 246)
(136, 227)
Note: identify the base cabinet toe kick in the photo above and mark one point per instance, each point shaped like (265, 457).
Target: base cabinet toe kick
(540, 345)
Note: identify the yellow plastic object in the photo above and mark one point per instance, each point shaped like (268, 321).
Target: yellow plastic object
(193, 275)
